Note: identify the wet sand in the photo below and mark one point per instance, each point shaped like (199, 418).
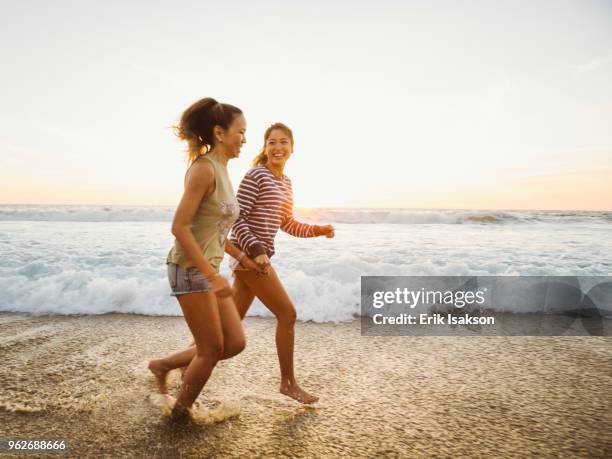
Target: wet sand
(85, 379)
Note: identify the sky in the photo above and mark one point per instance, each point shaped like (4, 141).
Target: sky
(411, 104)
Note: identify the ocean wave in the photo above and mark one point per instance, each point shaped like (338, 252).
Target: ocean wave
(86, 213)
(349, 216)
(323, 281)
(97, 268)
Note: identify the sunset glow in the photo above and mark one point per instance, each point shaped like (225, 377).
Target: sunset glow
(410, 104)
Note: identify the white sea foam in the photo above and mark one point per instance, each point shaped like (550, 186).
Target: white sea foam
(95, 267)
(225, 410)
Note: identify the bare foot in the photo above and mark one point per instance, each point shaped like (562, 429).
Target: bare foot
(180, 413)
(297, 393)
(160, 374)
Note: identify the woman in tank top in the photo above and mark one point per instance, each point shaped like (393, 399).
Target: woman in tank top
(214, 133)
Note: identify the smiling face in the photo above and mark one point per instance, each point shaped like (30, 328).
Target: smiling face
(278, 148)
(232, 138)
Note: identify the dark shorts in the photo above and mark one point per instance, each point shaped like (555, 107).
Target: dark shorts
(186, 280)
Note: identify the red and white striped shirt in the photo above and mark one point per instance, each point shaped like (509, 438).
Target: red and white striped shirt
(266, 204)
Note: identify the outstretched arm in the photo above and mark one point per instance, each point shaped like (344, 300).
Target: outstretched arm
(298, 229)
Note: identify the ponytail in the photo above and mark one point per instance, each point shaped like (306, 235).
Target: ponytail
(198, 122)
(261, 159)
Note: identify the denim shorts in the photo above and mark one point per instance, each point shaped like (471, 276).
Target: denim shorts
(186, 280)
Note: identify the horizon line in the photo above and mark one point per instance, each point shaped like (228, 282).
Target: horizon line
(329, 208)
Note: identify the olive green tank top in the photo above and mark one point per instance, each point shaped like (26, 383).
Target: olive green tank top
(212, 221)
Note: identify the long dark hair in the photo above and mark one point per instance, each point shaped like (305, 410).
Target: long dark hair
(198, 121)
(261, 157)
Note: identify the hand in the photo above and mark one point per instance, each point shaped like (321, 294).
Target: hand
(263, 262)
(328, 231)
(251, 265)
(220, 287)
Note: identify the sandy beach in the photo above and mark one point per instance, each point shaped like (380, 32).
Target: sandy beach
(84, 378)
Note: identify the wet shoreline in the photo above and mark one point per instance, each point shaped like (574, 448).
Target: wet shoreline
(84, 378)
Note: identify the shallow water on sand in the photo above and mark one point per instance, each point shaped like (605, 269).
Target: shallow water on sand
(85, 379)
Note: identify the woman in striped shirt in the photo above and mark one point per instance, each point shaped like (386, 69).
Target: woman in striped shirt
(265, 198)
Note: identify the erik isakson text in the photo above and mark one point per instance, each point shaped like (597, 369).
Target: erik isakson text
(431, 319)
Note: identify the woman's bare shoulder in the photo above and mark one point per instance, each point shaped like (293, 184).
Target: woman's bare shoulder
(201, 173)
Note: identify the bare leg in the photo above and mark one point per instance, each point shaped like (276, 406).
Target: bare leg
(271, 292)
(243, 298)
(161, 367)
(233, 343)
(233, 333)
(203, 316)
